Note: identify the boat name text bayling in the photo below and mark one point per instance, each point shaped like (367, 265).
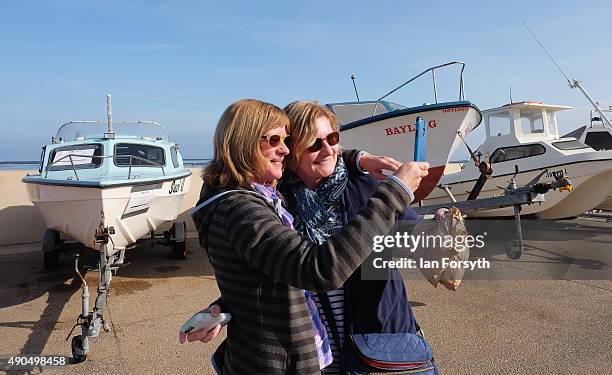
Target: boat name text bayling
(408, 128)
(457, 109)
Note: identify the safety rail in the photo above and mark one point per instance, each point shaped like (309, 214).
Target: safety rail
(69, 156)
(435, 88)
(59, 134)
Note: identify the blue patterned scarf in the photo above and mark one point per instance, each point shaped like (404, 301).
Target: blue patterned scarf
(320, 212)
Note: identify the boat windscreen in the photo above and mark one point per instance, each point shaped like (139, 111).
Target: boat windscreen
(569, 145)
(599, 140)
(396, 107)
(82, 156)
(79, 130)
(139, 155)
(351, 112)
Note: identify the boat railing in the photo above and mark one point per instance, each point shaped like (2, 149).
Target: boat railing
(145, 160)
(76, 175)
(59, 135)
(600, 119)
(435, 87)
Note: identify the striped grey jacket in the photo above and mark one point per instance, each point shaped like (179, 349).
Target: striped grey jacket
(262, 268)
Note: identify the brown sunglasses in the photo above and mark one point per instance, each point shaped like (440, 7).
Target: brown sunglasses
(332, 140)
(275, 140)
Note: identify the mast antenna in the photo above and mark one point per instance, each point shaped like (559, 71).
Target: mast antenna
(573, 83)
(109, 116)
(354, 86)
(545, 50)
(109, 113)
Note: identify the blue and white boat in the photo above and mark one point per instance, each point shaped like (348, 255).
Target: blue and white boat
(123, 179)
(106, 186)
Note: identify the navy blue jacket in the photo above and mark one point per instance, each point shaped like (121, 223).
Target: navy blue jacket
(371, 306)
(375, 306)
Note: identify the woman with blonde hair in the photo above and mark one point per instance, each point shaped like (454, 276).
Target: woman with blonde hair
(262, 265)
(323, 194)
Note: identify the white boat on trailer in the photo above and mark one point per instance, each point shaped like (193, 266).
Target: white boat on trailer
(598, 135)
(107, 186)
(385, 128)
(524, 137)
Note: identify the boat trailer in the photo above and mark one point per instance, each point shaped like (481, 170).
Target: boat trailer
(91, 321)
(513, 196)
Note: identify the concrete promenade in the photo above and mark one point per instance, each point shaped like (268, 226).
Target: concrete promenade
(528, 325)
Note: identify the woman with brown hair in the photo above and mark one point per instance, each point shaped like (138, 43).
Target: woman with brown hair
(261, 264)
(323, 195)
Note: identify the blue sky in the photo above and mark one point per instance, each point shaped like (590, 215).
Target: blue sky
(183, 62)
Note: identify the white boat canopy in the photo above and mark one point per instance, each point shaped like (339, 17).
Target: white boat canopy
(522, 122)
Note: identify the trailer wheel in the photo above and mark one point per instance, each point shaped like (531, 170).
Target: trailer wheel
(77, 349)
(178, 240)
(51, 248)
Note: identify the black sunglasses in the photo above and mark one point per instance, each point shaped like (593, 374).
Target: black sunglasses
(275, 140)
(332, 140)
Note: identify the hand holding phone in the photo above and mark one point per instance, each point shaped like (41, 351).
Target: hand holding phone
(204, 320)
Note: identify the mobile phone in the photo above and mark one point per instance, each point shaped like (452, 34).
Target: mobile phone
(204, 320)
(420, 141)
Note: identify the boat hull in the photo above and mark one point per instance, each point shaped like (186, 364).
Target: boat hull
(591, 179)
(607, 204)
(133, 211)
(392, 134)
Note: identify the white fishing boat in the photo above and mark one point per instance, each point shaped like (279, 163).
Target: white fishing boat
(522, 140)
(106, 186)
(598, 135)
(385, 128)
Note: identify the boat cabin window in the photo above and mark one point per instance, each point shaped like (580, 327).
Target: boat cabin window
(174, 156)
(570, 145)
(42, 159)
(552, 124)
(531, 121)
(499, 124)
(82, 156)
(599, 140)
(516, 152)
(350, 112)
(140, 155)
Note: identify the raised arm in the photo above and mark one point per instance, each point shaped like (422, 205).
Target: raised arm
(286, 256)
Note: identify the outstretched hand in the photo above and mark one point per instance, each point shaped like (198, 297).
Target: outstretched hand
(203, 335)
(412, 172)
(375, 165)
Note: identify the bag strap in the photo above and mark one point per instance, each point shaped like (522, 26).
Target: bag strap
(222, 194)
(217, 196)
